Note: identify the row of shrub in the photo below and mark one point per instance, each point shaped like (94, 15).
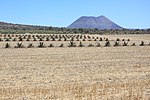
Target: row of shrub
(73, 44)
(65, 39)
(53, 37)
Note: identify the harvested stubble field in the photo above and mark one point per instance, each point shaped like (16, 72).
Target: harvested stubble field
(76, 73)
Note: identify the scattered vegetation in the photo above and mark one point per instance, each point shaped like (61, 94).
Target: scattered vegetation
(61, 45)
(73, 39)
(90, 45)
(30, 45)
(117, 43)
(125, 44)
(142, 43)
(19, 45)
(107, 44)
(118, 39)
(71, 44)
(80, 44)
(7, 45)
(51, 45)
(133, 44)
(41, 45)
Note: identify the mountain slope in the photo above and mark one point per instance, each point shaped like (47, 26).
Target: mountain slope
(5, 25)
(100, 22)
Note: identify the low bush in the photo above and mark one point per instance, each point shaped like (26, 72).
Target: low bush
(19, 45)
(30, 45)
(51, 45)
(80, 44)
(71, 44)
(117, 39)
(117, 43)
(142, 43)
(14, 39)
(61, 45)
(107, 44)
(7, 45)
(133, 44)
(125, 44)
(41, 45)
(100, 39)
(7, 39)
(90, 45)
(1, 39)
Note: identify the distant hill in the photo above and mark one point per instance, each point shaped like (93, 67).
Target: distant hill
(6, 25)
(100, 22)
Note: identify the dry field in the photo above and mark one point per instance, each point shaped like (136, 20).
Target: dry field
(76, 73)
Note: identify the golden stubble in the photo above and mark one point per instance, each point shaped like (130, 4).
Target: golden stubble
(80, 73)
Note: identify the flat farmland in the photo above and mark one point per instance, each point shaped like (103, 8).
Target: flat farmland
(76, 73)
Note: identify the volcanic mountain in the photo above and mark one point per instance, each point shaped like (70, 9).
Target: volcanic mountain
(100, 22)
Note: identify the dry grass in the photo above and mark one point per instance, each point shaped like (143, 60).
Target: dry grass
(113, 73)
(134, 90)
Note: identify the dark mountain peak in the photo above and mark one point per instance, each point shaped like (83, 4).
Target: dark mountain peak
(102, 16)
(86, 16)
(100, 22)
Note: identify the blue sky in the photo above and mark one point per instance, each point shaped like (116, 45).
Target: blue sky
(61, 13)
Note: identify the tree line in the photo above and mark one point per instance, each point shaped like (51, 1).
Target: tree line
(32, 29)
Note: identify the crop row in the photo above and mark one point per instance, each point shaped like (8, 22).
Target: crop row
(54, 37)
(74, 44)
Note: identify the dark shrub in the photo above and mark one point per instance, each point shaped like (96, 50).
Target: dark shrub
(40, 39)
(117, 39)
(80, 44)
(133, 44)
(125, 44)
(1, 39)
(117, 44)
(14, 39)
(90, 45)
(41, 45)
(53, 39)
(142, 43)
(30, 45)
(47, 39)
(34, 39)
(107, 39)
(28, 39)
(71, 44)
(20, 39)
(7, 39)
(59, 39)
(83, 39)
(51, 45)
(61, 45)
(107, 44)
(19, 45)
(7, 45)
(100, 39)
